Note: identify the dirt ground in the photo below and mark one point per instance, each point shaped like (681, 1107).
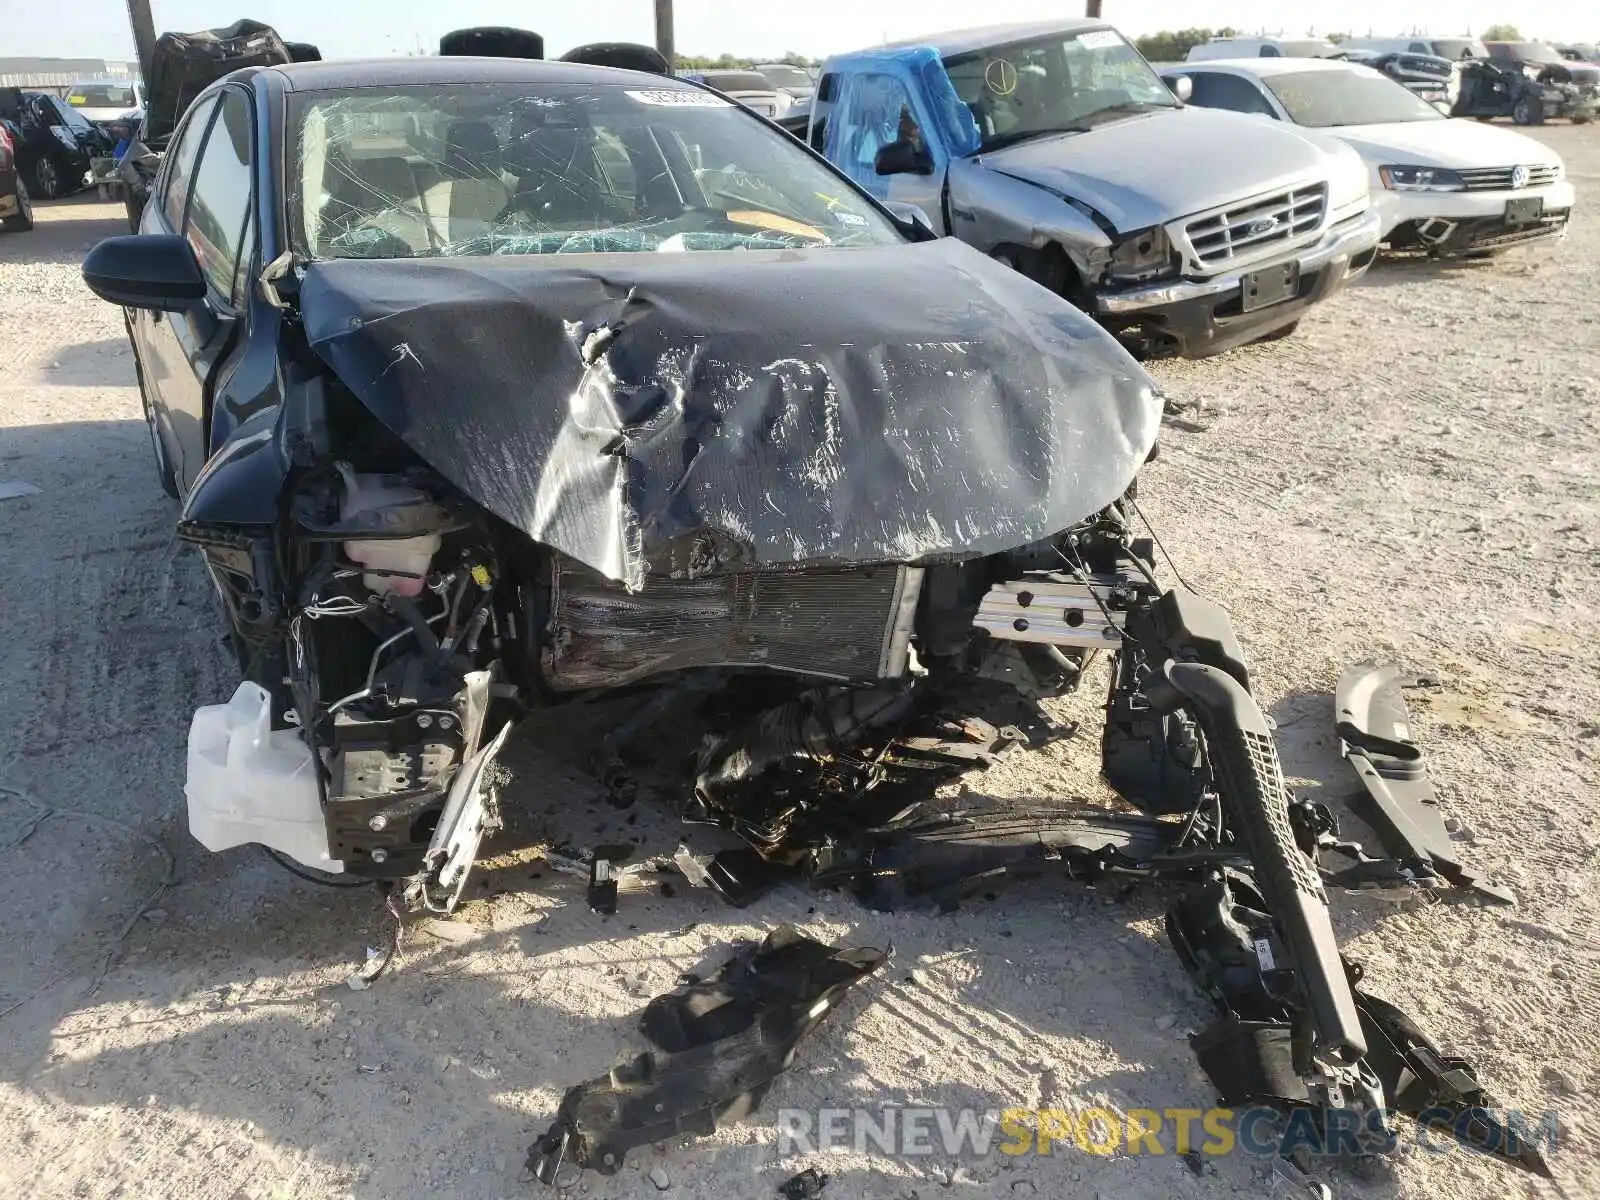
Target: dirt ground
(1413, 475)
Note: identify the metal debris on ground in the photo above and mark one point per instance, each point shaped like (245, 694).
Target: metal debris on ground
(807, 1185)
(719, 1042)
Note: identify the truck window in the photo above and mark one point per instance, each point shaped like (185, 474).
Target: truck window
(869, 114)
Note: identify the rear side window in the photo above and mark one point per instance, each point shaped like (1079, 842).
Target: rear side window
(180, 160)
(220, 201)
(1213, 89)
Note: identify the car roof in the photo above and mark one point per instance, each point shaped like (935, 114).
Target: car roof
(964, 41)
(1273, 66)
(445, 69)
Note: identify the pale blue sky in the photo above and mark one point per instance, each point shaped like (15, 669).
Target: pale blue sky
(347, 28)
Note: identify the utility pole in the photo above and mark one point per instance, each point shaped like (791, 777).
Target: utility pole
(664, 31)
(1091, 9)
(144, 35)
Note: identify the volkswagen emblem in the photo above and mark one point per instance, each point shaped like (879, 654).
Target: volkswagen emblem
(1266, 225)
(1519, 176)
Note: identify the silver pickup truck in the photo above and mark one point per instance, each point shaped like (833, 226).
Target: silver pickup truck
(1058, 149)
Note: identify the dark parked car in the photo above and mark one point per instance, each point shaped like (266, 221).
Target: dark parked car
(52, 143)
(16, 210)
(1534, 83)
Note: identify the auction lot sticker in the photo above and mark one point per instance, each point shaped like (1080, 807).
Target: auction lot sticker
(672, 98)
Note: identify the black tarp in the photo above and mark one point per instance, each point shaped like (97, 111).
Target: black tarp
(185, 64)
(819, 405)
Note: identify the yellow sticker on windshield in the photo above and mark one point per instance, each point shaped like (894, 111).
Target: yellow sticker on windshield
(77, 99)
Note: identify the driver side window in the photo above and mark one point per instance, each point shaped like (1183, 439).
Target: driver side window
(220, 202)
(180, 161)
(874, 111)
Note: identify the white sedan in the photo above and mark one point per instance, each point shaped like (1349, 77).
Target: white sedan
(1442, 185)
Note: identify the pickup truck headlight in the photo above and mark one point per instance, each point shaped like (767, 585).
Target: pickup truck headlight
(1420, 179)
(1144, 256)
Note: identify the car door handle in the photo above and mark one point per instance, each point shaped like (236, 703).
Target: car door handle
(965, 214)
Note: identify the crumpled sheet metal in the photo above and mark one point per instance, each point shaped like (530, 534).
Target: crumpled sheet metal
(841, 406)
(721, 1044)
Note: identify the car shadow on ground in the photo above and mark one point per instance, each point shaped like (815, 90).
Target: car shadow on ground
(64, 230)
(1409, 270)
(105, 362)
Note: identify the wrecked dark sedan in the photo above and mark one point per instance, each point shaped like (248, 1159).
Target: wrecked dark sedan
(490, 385)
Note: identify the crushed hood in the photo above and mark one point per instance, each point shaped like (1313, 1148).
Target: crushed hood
(1208, 157)
(831, 405)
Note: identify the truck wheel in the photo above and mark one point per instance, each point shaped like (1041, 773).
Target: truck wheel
(22, 220)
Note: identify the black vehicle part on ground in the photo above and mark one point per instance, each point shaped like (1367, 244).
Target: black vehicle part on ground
(627, 56)
(1255, 1050)
(1256, 803)
(184, 64)
(962, 430)
(1374, 731)
(493, 41)
(1425, 1084)
(721, 1044)
(807, 1185)
(942, 855)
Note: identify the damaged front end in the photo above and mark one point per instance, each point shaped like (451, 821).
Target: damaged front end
(419, 545)
(894, 543)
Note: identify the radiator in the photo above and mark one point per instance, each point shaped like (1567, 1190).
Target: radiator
(844, 624)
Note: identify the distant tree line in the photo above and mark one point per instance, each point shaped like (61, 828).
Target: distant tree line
(1173, 45)
(732, 62)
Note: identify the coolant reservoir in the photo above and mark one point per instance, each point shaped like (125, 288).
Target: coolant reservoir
(396, 564)
(250, 783)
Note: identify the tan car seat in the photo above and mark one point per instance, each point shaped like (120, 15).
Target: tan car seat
(468, 198)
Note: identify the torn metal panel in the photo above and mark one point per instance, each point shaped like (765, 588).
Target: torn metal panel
(1375, 736)
(722, 1043)
(741, 398)
(990, 209)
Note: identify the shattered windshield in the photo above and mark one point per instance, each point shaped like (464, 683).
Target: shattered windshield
(438, 171)
(1328, 99)
(1059, 84)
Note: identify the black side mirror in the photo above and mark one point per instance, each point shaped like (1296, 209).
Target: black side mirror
(156, 271)
(912, 219)
(902, 158)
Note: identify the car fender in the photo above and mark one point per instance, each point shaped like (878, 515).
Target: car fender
(989, 209)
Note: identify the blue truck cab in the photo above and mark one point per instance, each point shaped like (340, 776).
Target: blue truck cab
(1055, 147)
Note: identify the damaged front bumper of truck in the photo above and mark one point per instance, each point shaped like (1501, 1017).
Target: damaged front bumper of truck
(1205, 316)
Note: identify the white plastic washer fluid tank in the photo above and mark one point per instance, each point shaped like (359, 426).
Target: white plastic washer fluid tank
(397, 564)
(251, 783)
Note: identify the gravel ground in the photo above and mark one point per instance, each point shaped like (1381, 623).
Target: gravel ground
(1411, 475)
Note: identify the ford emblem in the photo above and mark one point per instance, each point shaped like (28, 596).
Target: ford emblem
(1268, 224)
(1519, 176)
